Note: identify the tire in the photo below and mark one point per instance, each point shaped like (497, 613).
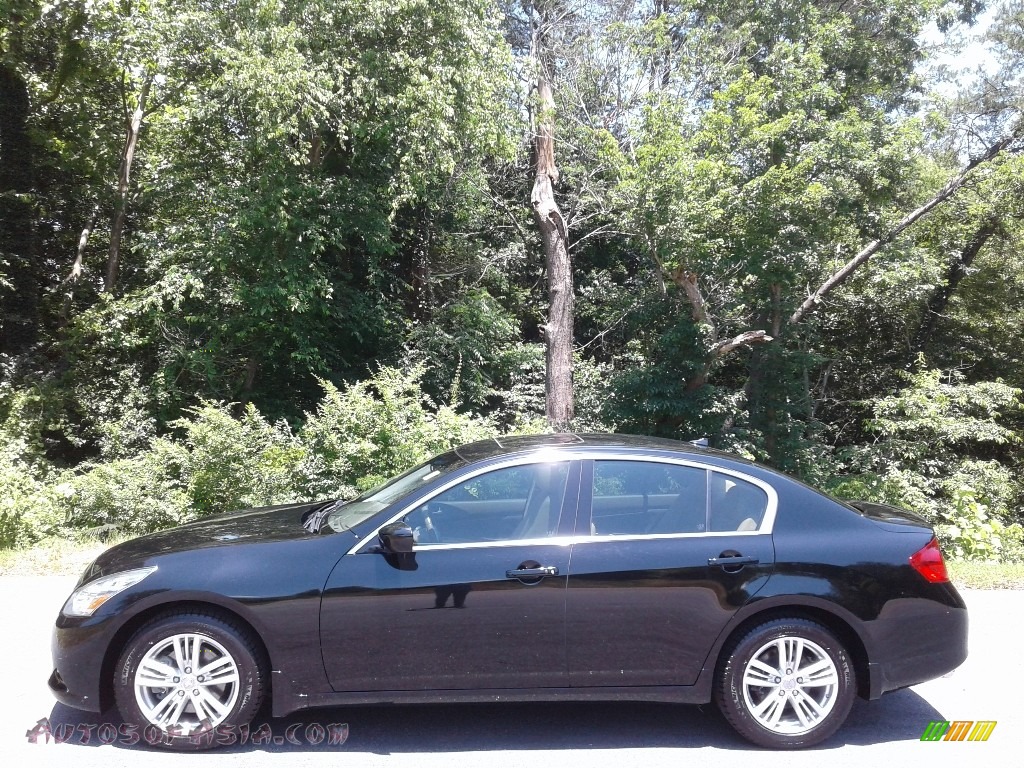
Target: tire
(785, 684)
(177, 704)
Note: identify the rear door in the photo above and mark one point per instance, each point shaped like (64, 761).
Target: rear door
(668, 552)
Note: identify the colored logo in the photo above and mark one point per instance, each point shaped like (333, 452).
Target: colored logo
(958, 730)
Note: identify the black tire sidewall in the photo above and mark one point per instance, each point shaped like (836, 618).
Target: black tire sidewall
(729, 685)
(234, 640)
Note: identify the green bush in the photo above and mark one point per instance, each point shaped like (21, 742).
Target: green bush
(356, 438)
(927, 434)
(374, 429)
(229, 462)
(138, 495)
(28, 510)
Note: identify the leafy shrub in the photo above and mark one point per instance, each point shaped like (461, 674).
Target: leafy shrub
(28, 509)
(229, 463)
(922, 461)
(139, 495)
(356, 438)
(377, 428)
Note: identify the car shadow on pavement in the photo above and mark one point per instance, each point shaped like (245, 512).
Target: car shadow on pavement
(439, 728)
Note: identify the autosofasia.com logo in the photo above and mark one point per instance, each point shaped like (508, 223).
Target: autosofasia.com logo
(958, 730)
(127, 734)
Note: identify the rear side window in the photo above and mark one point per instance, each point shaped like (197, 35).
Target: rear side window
(645, 497)
(735, 504)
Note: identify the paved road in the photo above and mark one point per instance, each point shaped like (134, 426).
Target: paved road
(885, 732)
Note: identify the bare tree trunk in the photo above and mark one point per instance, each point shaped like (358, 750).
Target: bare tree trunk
(123, 176)
(718, 349)
(558, 331)
(76, 268)
(252, 365)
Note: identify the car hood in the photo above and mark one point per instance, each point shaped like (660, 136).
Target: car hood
(244, 527)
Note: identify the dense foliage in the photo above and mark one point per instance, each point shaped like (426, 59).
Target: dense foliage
(258, 251)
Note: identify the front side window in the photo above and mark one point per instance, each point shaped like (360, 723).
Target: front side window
(644, 497)
(344, 516)
(507, 504)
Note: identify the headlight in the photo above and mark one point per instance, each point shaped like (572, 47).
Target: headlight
(86, 599)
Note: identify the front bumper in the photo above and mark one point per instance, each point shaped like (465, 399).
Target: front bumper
(78, 648)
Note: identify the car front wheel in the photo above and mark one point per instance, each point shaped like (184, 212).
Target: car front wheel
(786, 683)
(186, 678)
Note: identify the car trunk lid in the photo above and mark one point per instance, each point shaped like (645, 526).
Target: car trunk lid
(891, 518)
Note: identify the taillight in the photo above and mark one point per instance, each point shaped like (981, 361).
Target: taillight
(929, 563)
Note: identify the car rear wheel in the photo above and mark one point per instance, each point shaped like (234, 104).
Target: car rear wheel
(786, 683)
(184, 679)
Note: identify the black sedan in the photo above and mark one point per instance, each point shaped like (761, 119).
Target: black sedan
(523, 568)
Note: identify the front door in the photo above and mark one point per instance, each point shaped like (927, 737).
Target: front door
(480, 604)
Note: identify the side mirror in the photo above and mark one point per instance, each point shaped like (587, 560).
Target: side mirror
(396, 538)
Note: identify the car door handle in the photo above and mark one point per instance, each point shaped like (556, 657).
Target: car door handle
(532, 573)
(730, 560)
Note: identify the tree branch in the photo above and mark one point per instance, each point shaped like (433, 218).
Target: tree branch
(955, 272)
(843, 274)
(745, 339)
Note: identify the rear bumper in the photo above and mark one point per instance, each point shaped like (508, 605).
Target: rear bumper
(915, 640)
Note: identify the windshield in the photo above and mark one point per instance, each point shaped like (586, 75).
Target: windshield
(373, 501)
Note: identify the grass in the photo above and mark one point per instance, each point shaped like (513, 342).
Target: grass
(52, 557)
(986, 575)
(62, 557)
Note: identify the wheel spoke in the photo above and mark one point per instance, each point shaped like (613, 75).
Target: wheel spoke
(812, 705)
(790, 650)
(822, 672)
(178, 709)
(801, 713)
(807, 710)
(762, 667)
(181, 652)
(757, 670)
(212, 703)
(773, 717)
(199, 706)
(154, 673)
(797, 654)
(765, 704)
(167, 710)
(219, 672)
(193, 657)
(780, 649)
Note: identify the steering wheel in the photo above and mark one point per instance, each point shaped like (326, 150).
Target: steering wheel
(428, 532)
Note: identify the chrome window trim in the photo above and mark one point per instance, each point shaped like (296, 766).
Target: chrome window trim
(550, 541)
(568, 541)
(604, 537)
(568, 455)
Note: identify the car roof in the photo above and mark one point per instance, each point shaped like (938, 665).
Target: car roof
(571, 441)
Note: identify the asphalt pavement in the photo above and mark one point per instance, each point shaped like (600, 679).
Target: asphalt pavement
(987, 687)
